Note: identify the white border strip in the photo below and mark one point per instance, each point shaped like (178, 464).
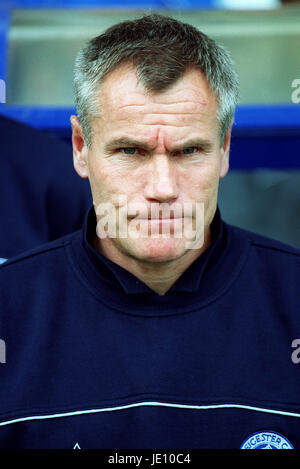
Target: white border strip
(140, 404)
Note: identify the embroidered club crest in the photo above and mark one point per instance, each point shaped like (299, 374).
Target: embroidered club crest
(266, 440)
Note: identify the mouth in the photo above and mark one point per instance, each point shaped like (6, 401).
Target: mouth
(160, 218)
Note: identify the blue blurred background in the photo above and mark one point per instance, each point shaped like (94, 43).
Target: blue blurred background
(40, 39)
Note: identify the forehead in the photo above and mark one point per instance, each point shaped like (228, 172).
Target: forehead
(187, 105)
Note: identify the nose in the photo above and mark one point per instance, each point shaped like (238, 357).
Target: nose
(162, 184)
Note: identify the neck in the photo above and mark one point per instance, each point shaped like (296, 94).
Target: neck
(159, 276)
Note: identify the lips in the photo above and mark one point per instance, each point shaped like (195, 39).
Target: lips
(160, 218)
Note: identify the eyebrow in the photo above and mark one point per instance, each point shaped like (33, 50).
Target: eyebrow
(125, 141)
(205, 144)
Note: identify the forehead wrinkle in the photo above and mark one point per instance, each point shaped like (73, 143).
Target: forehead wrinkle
(190, 106)
(162, 124)
(174, 114)
(136, 116)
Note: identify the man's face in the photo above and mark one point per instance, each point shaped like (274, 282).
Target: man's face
(154, 150)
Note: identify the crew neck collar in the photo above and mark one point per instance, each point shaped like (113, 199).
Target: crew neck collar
(202, 283)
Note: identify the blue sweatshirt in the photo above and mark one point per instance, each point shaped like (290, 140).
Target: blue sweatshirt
(94, 358)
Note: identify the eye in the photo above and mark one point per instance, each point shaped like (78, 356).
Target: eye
(189, 150)
(128, 150)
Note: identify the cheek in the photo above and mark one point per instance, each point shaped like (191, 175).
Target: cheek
(108, 181)
(99, 180)
(202, 184)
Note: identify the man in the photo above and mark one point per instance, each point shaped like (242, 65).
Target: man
(157, 325)
(41, 196)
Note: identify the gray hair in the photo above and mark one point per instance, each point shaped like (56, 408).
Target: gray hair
(161, 49)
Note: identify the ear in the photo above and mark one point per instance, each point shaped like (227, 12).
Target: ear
(225, 152)
(80, 150)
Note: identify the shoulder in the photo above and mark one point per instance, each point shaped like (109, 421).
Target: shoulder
(265, 244)
(38, 258)
(269, 260)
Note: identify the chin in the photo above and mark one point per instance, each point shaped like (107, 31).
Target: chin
(160, 250)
